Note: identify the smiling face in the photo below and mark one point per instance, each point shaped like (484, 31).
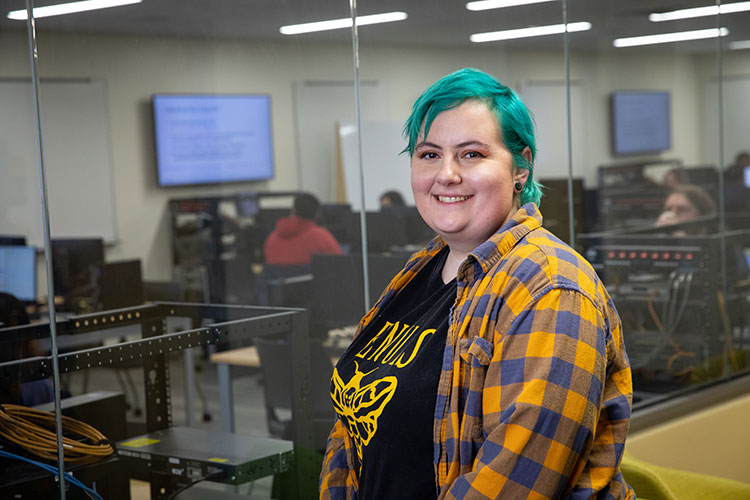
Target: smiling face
(463, 177)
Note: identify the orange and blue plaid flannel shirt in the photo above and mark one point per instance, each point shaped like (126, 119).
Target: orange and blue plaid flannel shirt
(535, 392)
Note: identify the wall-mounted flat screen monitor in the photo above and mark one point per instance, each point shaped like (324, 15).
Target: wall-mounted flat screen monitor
(18, 272)
(212, 139)
(641, 122)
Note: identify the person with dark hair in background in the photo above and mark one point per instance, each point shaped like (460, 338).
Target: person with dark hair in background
(493, 365)
(686, 202)
(297, 237)
(391, 199)
(737, 184)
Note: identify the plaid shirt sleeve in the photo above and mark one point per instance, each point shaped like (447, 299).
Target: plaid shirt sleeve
(337, 480)
(542, 406)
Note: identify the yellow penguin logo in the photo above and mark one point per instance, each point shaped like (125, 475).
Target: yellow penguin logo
(361, 406)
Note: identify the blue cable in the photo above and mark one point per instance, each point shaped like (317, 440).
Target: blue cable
(49, 468)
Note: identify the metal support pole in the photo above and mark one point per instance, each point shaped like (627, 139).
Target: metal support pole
(308, 467)
(34, 55)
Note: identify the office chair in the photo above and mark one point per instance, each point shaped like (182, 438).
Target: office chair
(276, 368)
(164, 291)
(284, 286)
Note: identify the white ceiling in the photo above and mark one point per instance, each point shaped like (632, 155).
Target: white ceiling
(430, 22)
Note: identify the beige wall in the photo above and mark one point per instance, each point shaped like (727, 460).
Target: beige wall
(713, 441)
(135, 68)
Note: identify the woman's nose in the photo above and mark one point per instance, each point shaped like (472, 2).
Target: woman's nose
(448, 173)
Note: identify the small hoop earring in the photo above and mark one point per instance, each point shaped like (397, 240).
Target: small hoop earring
(518, 186)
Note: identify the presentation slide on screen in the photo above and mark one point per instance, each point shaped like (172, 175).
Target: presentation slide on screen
(642, 122)
(207, 139)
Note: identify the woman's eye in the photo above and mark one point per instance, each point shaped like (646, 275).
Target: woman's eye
(428, 155)
(473, 154)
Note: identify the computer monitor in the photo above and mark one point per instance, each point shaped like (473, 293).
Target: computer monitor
(248, 204)
(18, 272)
(75, 262)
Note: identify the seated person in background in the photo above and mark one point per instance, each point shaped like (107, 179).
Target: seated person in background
(391, 199)
(297, 237)
(736, 192)
(686, 202)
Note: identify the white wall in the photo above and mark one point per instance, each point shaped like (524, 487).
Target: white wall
(135, 68)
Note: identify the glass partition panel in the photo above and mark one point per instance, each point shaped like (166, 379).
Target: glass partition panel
(659, 229)
(27, 378)
(401, 59)
(179, 140)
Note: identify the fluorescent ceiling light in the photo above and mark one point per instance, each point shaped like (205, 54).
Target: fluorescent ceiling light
(740, 44)
(500, 4)
(334, 24)
(711, 10)
(528, 32)
(69, 8)
(670, 37)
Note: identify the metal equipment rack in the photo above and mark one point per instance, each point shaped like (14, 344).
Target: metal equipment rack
(233, 326)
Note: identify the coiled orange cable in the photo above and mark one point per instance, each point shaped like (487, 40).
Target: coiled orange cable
(34, 431)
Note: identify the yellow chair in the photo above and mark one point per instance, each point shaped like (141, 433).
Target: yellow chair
(653, 482)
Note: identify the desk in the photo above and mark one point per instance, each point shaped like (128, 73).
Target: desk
(245, 356)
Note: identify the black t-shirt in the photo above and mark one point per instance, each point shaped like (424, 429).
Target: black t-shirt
(384, 388)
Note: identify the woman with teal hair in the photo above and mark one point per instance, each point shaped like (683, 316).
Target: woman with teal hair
(493, 364)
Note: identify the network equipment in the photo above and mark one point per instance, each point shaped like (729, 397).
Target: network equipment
(193, 454)
(677, 313)
(18, 272)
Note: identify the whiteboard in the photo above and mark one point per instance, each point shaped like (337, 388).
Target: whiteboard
(75, 125)
(385, 169)
(547, 101)
(319, 106)
(736, 117)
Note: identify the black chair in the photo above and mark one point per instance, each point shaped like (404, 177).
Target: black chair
(290, 286)
(164, 291)
(276, 367)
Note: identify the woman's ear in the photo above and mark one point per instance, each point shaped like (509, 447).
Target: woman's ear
(526, 153)
(522, 174)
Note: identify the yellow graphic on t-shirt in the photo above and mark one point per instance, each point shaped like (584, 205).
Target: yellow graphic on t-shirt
(361, 406)
(394, 344)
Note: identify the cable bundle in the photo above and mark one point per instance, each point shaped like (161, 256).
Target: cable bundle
(33, 430)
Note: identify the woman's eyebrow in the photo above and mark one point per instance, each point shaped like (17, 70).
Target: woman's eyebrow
(471, 143)
(426, 144)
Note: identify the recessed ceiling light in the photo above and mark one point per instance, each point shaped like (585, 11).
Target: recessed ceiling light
(528, 32)
(711, 10)
(739, 44)
(500, 4)
(334, 24)
(69, 8)
(670, 37)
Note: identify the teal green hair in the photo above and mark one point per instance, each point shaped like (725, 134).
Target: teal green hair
(513, 118)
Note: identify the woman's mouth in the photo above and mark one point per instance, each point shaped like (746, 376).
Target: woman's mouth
(451, 199)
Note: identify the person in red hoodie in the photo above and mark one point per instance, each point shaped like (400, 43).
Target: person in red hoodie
(297, 237)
